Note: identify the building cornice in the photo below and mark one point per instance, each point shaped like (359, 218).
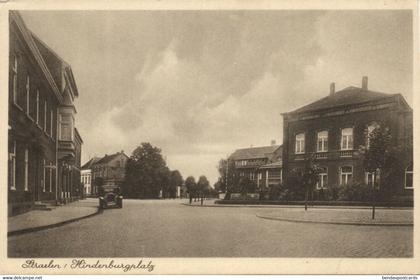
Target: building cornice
(345, 109)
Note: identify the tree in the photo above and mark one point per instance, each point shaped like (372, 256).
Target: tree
(228, 180)
(175, 181)
(190, 184)
(310, 177)
(203, 185)
(379, 157)
(146, 172)
(246, 185)
(219, 186)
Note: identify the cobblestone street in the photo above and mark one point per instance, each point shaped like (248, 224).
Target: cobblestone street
(150, 228)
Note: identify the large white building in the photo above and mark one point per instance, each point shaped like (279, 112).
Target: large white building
(86, 175)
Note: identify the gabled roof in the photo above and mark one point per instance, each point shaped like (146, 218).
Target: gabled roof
(108, 158)
(90, 163)
(348, 96)
(254, 153)
(28, 38)
(47, 51)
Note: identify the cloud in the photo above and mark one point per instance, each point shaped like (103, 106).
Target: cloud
(200, 84)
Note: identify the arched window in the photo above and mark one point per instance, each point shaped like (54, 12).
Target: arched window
(409, 177)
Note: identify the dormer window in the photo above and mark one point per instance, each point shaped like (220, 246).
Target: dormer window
(300, 143)
(15, 79)
(347, 138)
(37, 106)
(28, 88)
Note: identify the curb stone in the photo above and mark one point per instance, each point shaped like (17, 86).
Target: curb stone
(290, 206)
(39, 228)
(333, 222)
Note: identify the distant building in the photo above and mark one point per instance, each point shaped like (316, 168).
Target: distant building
(86, 175)
(111, 168)
(263, 165)
(334, 127)
(41, 88)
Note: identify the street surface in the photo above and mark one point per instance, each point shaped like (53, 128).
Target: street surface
(165, 228)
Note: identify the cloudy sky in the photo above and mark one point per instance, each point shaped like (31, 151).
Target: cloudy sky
(201, 84)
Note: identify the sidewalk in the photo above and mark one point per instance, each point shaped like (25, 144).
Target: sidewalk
(39, 219)
(354, 216)
(211, 203)
(341, 215)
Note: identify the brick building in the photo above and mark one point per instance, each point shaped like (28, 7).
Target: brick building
(39, 85)
(111, 168)
(262, 165)
(334, 127)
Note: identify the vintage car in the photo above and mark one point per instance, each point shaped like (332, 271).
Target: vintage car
(110, 197)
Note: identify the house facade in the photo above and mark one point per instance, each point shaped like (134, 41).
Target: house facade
(262, 165)
(36, 99)
(111, 168)
(86, 176)
(332, 130)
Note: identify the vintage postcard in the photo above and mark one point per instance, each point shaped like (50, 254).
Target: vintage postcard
(209, 137)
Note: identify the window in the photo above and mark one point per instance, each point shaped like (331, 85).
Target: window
(300, 143)
(371, 178)
(45, 115)
(66, 125)
(37, 106)
(15, 79)
(409, 177)
(51, 175)
(12, 167)
(370, 129)
(43, 175)
(346, 175)
(322, 142)
(28, 88)
(322, 179)
(51, 123)
(347, 139)
(26, 170)
(259, 176)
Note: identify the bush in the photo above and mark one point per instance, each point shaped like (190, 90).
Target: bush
(275, 192)
(293, 191)
(355, 192)
(328, 193)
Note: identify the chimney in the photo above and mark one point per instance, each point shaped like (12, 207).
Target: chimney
(273, 142)
(365, 83)
(332, 88)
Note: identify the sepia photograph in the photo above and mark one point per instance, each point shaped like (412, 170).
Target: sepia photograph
(219, 133)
